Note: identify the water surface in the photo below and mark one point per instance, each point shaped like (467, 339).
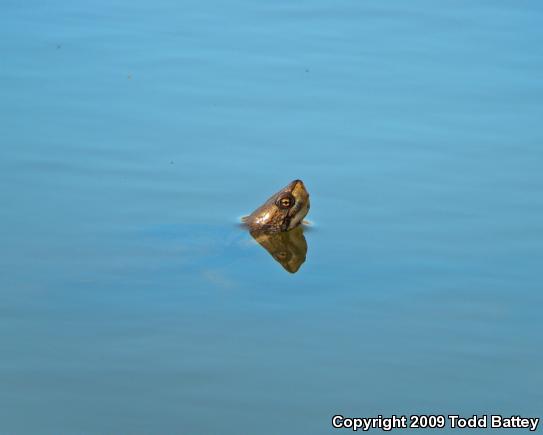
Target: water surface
(134, 135)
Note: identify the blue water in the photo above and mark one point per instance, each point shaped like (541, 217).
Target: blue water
(135, 134)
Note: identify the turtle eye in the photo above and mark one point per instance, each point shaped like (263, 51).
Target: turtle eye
(285, 201)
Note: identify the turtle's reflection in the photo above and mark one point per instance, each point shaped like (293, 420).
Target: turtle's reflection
(288, 248)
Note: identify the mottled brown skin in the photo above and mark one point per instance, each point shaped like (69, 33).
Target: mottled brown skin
(283, 211)
(288, 248)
